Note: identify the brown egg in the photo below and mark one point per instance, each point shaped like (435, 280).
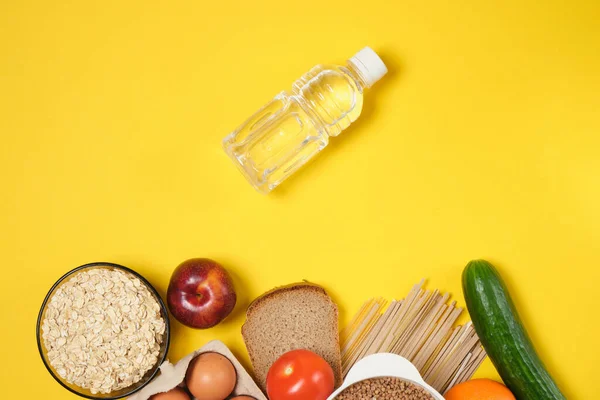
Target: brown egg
(173, 394)
(210, 376)
(242, 398)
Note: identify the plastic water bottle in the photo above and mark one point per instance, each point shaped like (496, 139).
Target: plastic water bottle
(296, 125)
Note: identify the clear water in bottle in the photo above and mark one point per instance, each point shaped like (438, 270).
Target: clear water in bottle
(296, 125)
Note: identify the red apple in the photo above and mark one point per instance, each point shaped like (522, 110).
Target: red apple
(200, 293)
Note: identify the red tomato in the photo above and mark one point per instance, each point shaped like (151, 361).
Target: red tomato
(300, 375)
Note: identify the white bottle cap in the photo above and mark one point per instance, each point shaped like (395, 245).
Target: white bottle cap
(368, 64)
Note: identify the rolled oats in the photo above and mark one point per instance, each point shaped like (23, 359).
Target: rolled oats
(103, 330)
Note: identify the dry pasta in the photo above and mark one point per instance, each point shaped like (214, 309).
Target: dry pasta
(421, 328)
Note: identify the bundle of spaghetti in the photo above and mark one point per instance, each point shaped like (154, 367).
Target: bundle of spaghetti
(421, 328)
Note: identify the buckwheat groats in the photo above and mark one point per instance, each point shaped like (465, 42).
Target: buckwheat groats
(384, 389)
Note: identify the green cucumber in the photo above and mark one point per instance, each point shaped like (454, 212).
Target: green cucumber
(502, 334)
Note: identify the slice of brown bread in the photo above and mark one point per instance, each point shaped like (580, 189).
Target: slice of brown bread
(298, 316)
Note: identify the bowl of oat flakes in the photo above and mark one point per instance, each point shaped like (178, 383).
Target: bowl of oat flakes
(103, 331)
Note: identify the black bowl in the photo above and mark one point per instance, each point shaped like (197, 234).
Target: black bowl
(128, 391)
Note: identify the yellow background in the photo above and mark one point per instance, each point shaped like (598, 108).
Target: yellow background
(483, 141)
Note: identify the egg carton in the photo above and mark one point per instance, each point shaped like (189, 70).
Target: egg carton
(171, 375)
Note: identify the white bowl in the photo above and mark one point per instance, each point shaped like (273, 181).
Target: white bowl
(385, 365)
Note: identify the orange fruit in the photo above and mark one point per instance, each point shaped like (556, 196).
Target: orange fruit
(479, 389)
